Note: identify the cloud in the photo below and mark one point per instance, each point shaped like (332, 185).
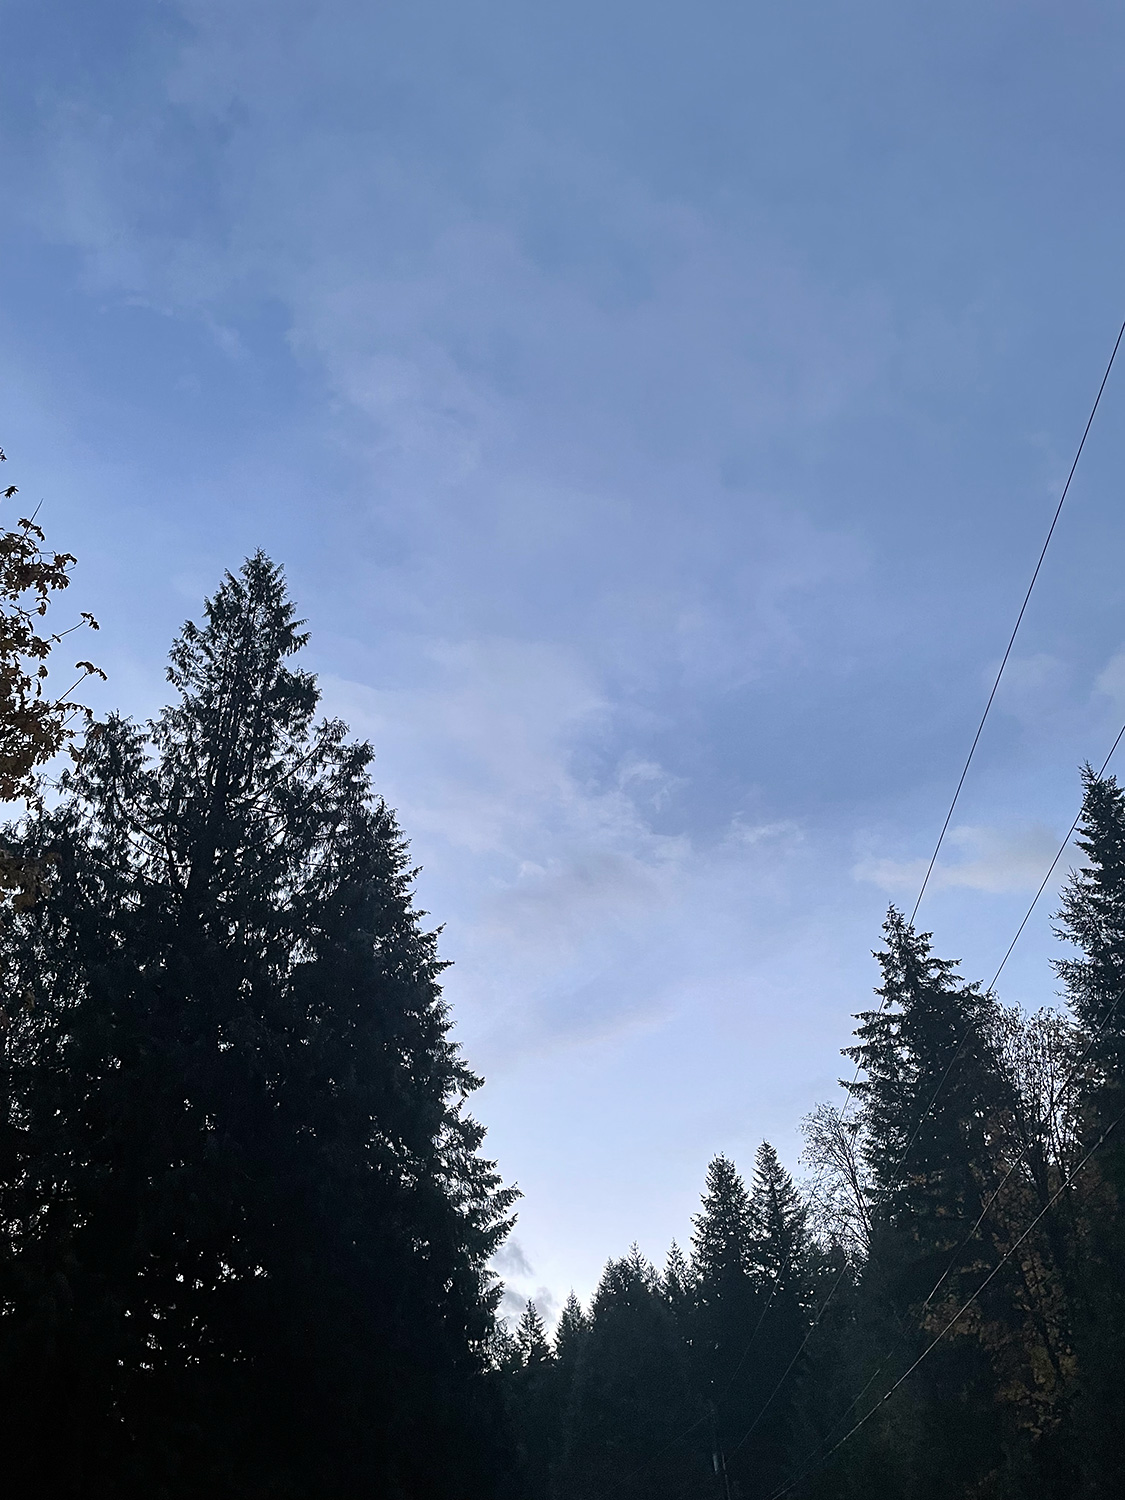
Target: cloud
(1110, 681)
(510, 1259)
(520, 1287)
(579, 899)
(994, 860)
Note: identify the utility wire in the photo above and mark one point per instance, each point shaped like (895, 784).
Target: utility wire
(1015, 628)
(957, 1316)
(834, 1288)
(1008, 953)
(1056, 1096)
(850, 1088)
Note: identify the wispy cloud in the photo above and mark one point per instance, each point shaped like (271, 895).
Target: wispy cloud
(993, 860)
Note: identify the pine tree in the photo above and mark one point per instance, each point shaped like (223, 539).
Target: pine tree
(1093, 920)
(677, 1284)
(633, 1427)
(573, 1325)
(723, 1234)
(531, 1337)
(535, 1388)
(778, 1219)
(936, 1115)
(245, 1217)
(728, 1307)
(774, 1361)
(925, 1066)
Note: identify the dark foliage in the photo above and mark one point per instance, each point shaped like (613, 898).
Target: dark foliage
(941, 1313)
(245, 1218)
(245, 1222)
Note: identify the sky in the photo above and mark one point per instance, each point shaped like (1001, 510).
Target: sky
(658, 409)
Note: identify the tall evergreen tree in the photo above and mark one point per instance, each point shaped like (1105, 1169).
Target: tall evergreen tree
(1092, 918)
(773, 1361)
(245, 1219)
(634, 1429)
(536, 1388)
(778, 1219)
(677, 1285)
(936, 1110)
(572, 1327)
(531, 1338)
(728, 1308)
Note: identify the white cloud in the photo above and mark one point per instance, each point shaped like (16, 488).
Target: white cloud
(1110, 681)
(994, 860)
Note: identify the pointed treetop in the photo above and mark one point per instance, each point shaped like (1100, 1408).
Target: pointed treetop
(778, 1215)
(572, 1327)
(722, 1236)
(675, 1282)
(531, 1337)
(1092, 913)
(230, 671)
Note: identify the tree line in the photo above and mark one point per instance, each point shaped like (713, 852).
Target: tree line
(246, 1219)
(937, 1310)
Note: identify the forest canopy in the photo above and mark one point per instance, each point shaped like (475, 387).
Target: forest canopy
(246, 1222)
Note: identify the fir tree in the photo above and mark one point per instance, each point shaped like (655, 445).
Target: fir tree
(925, 1065)
(677, 1283)
(531, 1337)
(245, 1218)
(633, 1428)
(1093, 920)
(573, 1325)
(535, 1391)
(722, 1236)
(728, 1307)
(778, 1219)
(936, 1114)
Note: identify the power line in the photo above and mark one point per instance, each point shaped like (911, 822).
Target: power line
(850, 1090)
(957, 1316)
(1056, 1096)
(1008, 953)
(900, 1164)
(1015, 628)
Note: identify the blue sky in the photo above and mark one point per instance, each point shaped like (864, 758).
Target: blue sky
(658, 409)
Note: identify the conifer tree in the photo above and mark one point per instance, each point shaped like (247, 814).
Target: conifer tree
(245, 1219)
(778, 1219)
(728, 1306)
(925, 1068)
(935, 1110)
(572, 1327)
(773, 1361)
(1092, 918)
(633, 1427)
(535, 1390)
(531, 1337)
(677, 1284)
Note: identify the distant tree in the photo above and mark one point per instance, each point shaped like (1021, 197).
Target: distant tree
(774, 1359)
(778, 1220)
(677, 1284)
(633, 1428)
(572, 1327)
(244, 1218)
(728, 1306)
(531, 1337)
(536, 1388)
